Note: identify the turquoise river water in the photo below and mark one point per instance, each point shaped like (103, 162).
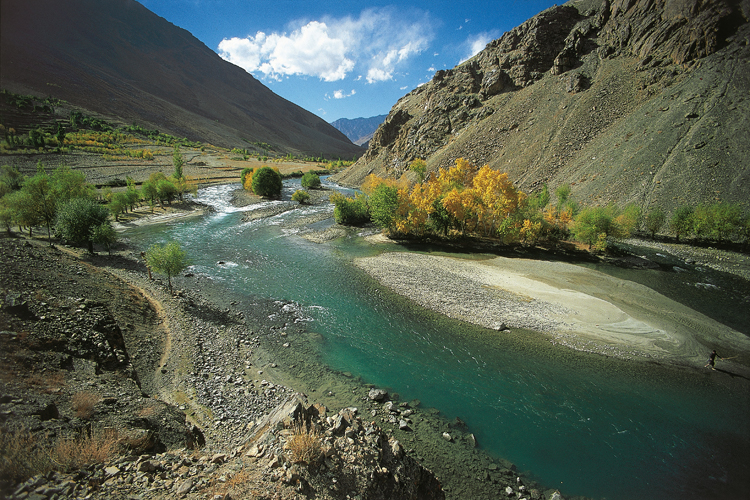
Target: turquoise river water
(585, 424)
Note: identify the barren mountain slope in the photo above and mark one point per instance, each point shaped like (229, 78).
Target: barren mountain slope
(629, 101)
(119, 59)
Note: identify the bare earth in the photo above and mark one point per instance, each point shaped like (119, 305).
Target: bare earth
(578, 307)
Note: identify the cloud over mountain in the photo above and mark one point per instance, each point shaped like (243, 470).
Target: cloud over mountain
(374, 45)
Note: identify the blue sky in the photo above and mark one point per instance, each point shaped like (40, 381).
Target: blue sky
(345, 59)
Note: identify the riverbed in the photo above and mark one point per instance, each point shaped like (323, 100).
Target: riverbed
(586, 423)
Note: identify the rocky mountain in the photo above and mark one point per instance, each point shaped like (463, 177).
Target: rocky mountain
(628, 101)
(359, 130)
(121, 61)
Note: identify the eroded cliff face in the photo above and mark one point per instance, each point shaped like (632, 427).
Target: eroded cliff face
(631, 101)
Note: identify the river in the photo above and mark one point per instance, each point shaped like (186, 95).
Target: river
(588, 425)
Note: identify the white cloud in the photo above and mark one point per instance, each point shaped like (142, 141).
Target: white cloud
(340, 94)
(477, 43)
(379, 41)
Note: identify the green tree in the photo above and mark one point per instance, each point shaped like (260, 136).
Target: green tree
(36, 138)
(150, 192)
(39, 203)
(310, 180)
(419, 167)
(301, 196)
(178, 161)
(593, 223)
(167, 259)
(655, 219)
(717, 221)
(78, 218)
(350, 211)
(383, 203)
(165, 190)
(10, 179)
(67, 184)
(267, 182)
(681, 222)
(105, 234)
(60, 135)
(118, 205)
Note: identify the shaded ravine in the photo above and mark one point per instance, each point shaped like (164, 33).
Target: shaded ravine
(583, 423)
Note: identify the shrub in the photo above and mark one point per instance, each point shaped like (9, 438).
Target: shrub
(304, 445)
(310, 180)
(99, 447)
(267, 182)
(350, 211)
(77, 219)
(301, 196)
(655, 220)
(21, 456)
(681, 223)
(383, 205)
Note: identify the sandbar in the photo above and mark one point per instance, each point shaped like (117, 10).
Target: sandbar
(574, 306)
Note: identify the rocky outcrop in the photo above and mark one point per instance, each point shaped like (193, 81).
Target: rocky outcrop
(628, 101)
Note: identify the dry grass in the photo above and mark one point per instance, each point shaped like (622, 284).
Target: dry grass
(21, 456)
(236, 486)
(83, 404)
(304, 445)
(75, 453)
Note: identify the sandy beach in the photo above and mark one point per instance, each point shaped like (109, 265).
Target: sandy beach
(577, 307)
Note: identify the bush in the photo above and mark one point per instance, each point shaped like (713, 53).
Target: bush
(681, 223)
(310, 180)
(267, 182)
(77, 220)
(383, 204)
(301, 196)
(717, 221)
(655, 220)
(350, 211)
(304, 445)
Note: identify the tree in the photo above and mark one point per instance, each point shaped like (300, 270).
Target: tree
(105, 234)
(118, 205)
(592, 224)
(165, 190)
(350, 211)
(310, 180)
(67, 184)
(167, 259)
(383, 205)
(267, 182)
(655, 220)
(681, 222)
(10, 179)
(39, 201)
(301, 196)
(419, 167)
(178, 161)
(78, 218)
(716, 221)
(60, 135)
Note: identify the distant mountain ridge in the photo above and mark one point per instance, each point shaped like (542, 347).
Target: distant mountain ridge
(359, 130)
(120, 60)
(627, 101)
